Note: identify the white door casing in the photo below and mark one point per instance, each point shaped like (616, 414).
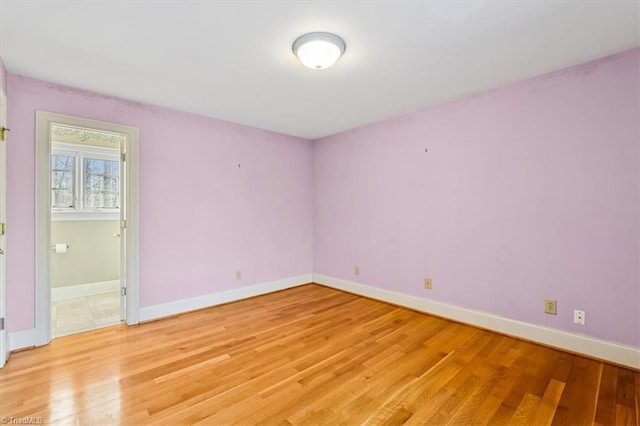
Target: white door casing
(129, 245)
(4, 340)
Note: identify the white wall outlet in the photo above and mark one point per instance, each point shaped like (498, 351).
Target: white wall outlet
(356, 270)
(579, 317)
(238, 275)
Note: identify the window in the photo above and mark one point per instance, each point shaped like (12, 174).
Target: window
(85, 182)
(62, 181)
(101, 183)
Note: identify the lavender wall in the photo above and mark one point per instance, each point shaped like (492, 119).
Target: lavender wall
(526, 192)
(201, 216)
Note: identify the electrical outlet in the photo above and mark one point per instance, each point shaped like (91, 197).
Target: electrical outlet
(238, 275)
(579, 317)
(356, 270)
(427, 283)
(550, 306)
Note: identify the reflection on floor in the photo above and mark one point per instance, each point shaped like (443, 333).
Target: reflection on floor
(70, 316)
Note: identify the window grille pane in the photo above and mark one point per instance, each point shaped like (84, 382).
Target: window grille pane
(92, 166)
(62, 198)
(112, 168)
(92, 182)
(111, 200)
(61, 180)
(101, 183)
(62, 163)
(111, 183)
(92, 199)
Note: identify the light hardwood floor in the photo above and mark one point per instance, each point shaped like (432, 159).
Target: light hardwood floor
(311, 355)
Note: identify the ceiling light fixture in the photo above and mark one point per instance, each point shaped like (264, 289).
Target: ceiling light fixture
(318, 50)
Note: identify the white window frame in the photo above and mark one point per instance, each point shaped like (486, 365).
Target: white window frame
(80, 152)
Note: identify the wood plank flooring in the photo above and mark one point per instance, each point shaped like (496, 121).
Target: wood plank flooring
(311, 355)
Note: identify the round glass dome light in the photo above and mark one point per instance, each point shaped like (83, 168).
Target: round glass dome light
(318, 50)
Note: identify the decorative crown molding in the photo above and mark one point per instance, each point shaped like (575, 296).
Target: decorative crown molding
(85, 135)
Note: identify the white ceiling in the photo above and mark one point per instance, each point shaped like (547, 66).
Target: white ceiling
(232, 60)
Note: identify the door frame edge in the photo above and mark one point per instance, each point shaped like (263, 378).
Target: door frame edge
(43, 217)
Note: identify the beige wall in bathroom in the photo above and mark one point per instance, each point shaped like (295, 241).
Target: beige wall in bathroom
(93, 254)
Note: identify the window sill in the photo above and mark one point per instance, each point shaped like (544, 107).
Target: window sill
(60, 216)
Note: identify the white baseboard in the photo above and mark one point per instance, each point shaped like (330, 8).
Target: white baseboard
(589, 346)
(27, 338)
(80, 290)
(149, 313)
(22, 339)
(597, 348)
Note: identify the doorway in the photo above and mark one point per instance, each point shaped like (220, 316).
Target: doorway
(86, 225)
(86, 262)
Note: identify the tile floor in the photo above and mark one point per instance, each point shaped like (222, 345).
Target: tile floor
(70, 316)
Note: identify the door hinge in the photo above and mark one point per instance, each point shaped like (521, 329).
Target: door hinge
(123, 291)
(123, 156)
(3, 133)
(1, 323)
(3, 228)
(123, 224)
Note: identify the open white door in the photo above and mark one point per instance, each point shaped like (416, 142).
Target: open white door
(123, 232)
(4, 340)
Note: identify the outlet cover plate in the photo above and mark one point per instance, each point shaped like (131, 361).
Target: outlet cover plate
(551, 306)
